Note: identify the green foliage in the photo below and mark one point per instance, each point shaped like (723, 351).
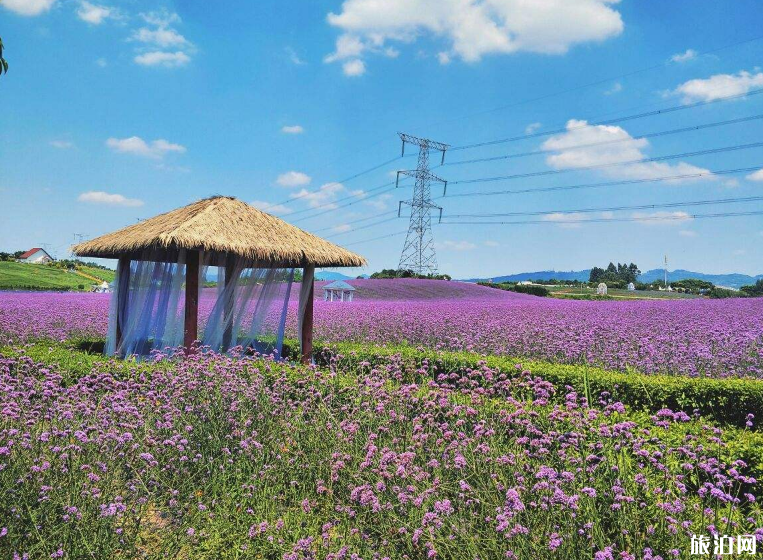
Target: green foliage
(725, 401)
(693, 285)
(756, 290)
(724, 293)
(394, 273)
(619, 275)
(532, 290)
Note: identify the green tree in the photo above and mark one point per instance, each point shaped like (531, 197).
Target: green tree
(3, 62)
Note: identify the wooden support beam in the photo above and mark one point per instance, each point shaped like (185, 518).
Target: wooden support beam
(191, 325)
(306, 336)
(123, 294)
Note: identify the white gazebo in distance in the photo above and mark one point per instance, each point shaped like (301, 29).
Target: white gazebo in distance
(601, 289)
(338, 290)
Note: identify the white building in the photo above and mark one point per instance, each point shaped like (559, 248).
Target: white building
(36, 256)
(338, 291)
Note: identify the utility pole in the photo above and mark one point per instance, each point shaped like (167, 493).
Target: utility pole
(78, 238)
(666, 272)
(418, 252)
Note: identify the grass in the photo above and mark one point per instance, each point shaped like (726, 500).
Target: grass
(616, 293)
(24, 276)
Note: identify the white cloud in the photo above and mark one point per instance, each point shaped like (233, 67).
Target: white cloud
(293, 179)
(690, 54)
(661, 218)
(101, 62)
(139, 147)
(566, 220)
(456, 245)
(491, 243)
(294, 57)
(616, 88)
(323, 197)
(756, 176)
(101, 197)
(160, 18)
(161, 36)
(720, 85)
(61, 144)
(28, 7)
(94, 13)
(270, 208)
(341, 228)
(585, 146)
(379, 202)
(295, 129)
(161, 58)
(354, 67)
(532, 127)
(687, 233)
(473, 28)
(443, 58)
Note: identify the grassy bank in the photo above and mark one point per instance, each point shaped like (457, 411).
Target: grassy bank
(23, 276)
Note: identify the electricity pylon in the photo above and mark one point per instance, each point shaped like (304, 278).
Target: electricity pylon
(418, 252)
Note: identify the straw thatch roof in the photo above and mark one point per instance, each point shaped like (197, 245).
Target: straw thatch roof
(223, 225)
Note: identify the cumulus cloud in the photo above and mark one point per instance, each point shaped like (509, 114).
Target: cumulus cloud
(690, 54)
(109, 199)
(473, 28)
(162, 58)
(456, 245)
(323, 197)
(720, 85)
(139, 147)
(159, 35)
(270, 208)
(379, 202)
(354, 67)
(28, 7)
(95, 14)
(585, 145)
(295, 129)
(341, 228)
(617, 87)
(756, 176)
(294, 57)
(662, 218)
(293, 179)
(565, 220)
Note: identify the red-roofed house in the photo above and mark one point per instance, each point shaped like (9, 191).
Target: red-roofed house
(36, 256)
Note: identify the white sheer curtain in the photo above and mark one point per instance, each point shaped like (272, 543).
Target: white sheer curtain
(243, 305)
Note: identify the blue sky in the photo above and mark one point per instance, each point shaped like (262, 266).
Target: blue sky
(117, 111)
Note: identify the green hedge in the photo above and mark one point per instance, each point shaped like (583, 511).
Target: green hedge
(726, 401)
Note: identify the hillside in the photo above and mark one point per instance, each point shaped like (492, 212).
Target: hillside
(22, 276)
(731, 280)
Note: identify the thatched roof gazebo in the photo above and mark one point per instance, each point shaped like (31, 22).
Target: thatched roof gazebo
(162, 260)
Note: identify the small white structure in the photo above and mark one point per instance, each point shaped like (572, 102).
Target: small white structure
(36, 255)
(338, 291)
(601, 289)
(102, 288)
(631, 287)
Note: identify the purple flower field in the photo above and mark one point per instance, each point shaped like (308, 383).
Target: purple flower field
(714, 338)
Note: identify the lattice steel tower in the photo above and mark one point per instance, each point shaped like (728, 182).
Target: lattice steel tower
(418, 252)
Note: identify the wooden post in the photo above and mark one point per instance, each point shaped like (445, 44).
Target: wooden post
(191, 326)
(306, 336)
(123, 293)
(228, 304)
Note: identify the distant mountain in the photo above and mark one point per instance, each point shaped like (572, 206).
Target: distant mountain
(581, 275)
(733, 280)
(331, 276)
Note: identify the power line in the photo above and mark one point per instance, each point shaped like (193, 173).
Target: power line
(606, 142)
(385, 220)
(376, 238)
(615, 208)
(355, 221)
(681, 177)
(610, 121)
(614, 164)
(682, 217)
(333, 207)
